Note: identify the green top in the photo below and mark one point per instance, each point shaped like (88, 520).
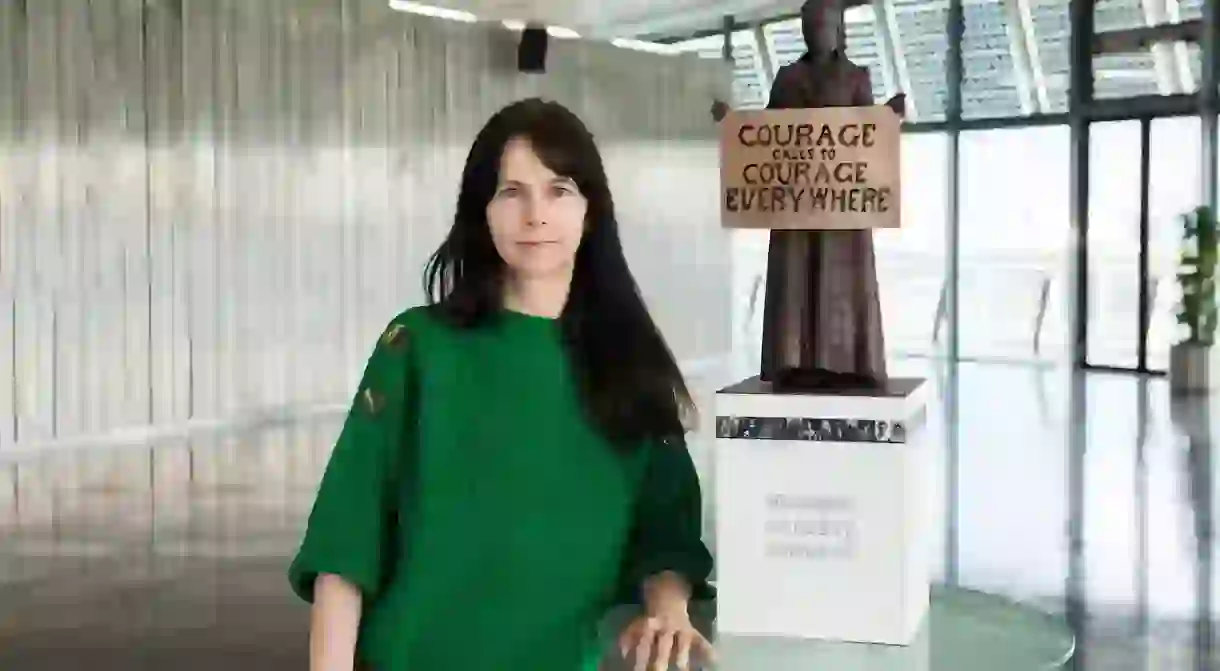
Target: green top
(486, 523)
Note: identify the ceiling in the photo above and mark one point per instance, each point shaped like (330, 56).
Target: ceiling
(1014, 52)
(622, 18)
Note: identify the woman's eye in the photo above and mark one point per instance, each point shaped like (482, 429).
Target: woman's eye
(508, 191)
(563, 191)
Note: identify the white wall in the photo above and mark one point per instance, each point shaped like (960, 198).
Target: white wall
(218, 219)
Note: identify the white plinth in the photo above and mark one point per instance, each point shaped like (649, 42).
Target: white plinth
(822, 521)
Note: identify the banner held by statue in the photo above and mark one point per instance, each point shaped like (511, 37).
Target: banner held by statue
(829, 168)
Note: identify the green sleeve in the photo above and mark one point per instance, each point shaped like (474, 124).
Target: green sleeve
(667, 533)
(351, 526)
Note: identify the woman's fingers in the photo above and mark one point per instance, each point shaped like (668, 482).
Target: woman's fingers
(682, 653)
(665, 645)
(626, 640)
(643, 649)
(631, 637)
(653, 642)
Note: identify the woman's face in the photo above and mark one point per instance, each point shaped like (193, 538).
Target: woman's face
(536, 216)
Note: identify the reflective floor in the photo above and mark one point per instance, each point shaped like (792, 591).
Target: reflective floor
(1090, 504)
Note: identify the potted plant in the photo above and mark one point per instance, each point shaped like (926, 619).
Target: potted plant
(1191, 367)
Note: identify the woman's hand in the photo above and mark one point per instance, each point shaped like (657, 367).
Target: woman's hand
(663, 638)
(665, 632)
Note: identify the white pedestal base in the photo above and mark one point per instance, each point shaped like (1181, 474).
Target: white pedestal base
(822, 513)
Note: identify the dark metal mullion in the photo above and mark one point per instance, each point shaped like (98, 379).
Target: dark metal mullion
(1080, 235)
(726, 31)
(1145, 167)
(955, 27)
(1139, 107)
(995, 123)
(1131, 109)
(1209, 100)
(1080, 96)
(1100, 368)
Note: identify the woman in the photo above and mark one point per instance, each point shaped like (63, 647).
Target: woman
(513, 463)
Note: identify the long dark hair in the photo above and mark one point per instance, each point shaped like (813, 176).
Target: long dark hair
(631, 386)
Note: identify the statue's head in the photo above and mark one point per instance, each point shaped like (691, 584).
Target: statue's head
(822, 25)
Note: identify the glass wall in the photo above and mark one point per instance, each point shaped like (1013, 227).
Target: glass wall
(1114, 212)
(1014, 245)
(1112, 263)
(911, 261)
(1174, 188)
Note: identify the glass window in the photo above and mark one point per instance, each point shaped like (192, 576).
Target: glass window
(1112, 264)
(748, 251)
(1174, 188)
(1014, 255)
(911, 260)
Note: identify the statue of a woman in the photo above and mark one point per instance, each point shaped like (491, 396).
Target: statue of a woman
(822, 317)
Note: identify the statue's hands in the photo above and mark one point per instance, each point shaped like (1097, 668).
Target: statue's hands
(720, 109)
(899, 104)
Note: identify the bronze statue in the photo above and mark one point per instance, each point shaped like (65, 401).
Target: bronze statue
(822, 317)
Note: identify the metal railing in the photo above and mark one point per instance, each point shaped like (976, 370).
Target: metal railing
(1015, 310)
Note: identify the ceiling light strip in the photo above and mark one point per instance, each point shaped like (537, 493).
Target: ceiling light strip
(554, 31)
(433, 11)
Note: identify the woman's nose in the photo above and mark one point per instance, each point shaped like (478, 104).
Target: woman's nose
(535, 210)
